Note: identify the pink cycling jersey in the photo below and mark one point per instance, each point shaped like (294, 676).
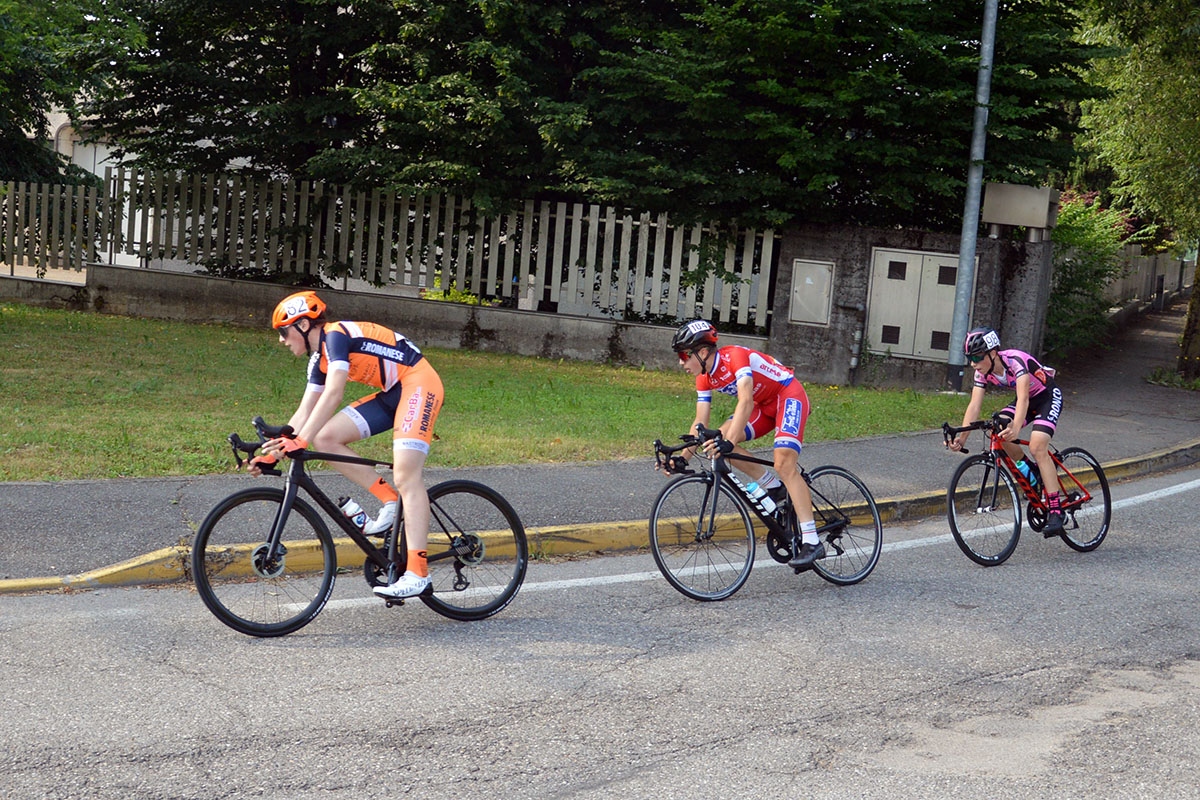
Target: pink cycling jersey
(1017, 363)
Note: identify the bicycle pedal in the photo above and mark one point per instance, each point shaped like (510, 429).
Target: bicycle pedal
(396, 601)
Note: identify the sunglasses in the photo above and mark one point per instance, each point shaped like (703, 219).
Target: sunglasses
(684, 356)
(977, 359)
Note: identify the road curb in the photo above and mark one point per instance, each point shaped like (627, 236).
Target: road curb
(172, 564)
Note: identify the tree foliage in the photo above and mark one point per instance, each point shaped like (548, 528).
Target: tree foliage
(1088, 240)
(752, 110)
(1147, 127)
(33, 82)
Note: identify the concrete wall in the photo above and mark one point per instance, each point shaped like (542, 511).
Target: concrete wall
(1012, 283)
(827, 353)
(199, 298)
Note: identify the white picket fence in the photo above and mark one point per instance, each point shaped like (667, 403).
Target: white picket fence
(554, 256)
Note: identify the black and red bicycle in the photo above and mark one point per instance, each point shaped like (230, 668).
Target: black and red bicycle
(983, 501)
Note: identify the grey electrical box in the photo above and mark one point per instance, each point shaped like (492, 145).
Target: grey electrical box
(910, 306)
(1023, 206)
(812, 292)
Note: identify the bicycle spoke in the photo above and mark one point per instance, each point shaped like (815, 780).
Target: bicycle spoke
(705, 553)
(984, 511)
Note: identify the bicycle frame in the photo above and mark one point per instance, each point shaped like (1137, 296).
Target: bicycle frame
(1000, 456)
(722, 471)
(297, 478)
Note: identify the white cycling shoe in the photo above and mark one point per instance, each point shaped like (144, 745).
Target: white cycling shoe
(383, 523)
(409, 585)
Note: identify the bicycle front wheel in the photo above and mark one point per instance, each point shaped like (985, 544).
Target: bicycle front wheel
(477, 551)
(246, 587)
(984, 511)
(705, 553)
(1086, 502)
(849, 524)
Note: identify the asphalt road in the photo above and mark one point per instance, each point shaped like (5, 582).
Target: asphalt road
(1057, 675)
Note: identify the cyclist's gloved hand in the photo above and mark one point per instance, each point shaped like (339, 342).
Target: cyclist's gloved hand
(289, 446)
(678, 464)
(262, 461)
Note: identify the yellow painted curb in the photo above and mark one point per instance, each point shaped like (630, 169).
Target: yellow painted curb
(171, 564)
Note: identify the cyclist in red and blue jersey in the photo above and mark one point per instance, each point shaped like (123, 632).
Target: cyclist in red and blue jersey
(1038, 401)
(407, 403)
(768, 398)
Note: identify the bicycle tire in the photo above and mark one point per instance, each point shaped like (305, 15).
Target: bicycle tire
(700, 564)
(853, 548)
(251, 596)
(477, 551)
(1084, 527)
(986, 532)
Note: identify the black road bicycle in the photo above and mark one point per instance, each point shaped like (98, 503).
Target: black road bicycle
(264, 561)
(702, 529)
(983, 501)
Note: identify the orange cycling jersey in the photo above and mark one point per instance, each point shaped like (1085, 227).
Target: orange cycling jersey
(372, 354)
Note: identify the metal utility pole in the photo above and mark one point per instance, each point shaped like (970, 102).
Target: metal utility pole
(970, 226)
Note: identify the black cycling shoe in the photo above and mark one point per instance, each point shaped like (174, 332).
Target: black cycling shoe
(806, 555)
(1054, 524)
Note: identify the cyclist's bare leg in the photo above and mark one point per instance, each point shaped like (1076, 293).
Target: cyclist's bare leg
(408, 473)
(336, 437)
(787, 463)
(1039, 446)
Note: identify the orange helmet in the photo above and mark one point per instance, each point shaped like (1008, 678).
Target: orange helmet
(295, 306)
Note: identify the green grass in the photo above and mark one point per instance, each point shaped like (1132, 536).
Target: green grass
(1169, 377)
(91, 396)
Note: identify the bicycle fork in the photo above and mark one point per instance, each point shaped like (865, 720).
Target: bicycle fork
(270, 558)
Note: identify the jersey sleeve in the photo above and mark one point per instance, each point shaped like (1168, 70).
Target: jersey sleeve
(337, 349)
(1015, 365)
(703, 389)
(316, 376)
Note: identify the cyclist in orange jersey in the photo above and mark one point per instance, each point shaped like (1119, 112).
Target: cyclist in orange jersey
(409, 398)
(768, 398)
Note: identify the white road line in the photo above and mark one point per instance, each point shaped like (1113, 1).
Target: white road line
(888, 547)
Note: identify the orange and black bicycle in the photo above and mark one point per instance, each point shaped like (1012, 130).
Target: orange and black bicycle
(984, 498)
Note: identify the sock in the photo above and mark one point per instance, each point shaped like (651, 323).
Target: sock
(417, 564)
(1052, 501)
(384, 492)
(808, 532)
(769, 479)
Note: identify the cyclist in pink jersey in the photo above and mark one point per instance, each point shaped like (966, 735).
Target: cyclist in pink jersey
(1038, 401)
(409, 398)
(768, 398)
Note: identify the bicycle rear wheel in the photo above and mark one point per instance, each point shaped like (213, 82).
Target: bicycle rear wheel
(849, 523)
(704, 553)
(477, 551)
(1085, 524)
(984, 511)
(242, 587)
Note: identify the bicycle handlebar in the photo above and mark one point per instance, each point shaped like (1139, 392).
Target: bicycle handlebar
(995, 424)
(264, 432)
(665, 458)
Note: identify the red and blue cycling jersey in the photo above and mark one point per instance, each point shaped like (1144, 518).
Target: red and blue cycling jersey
(1017, 363)
(732, 363)
(780, 402)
